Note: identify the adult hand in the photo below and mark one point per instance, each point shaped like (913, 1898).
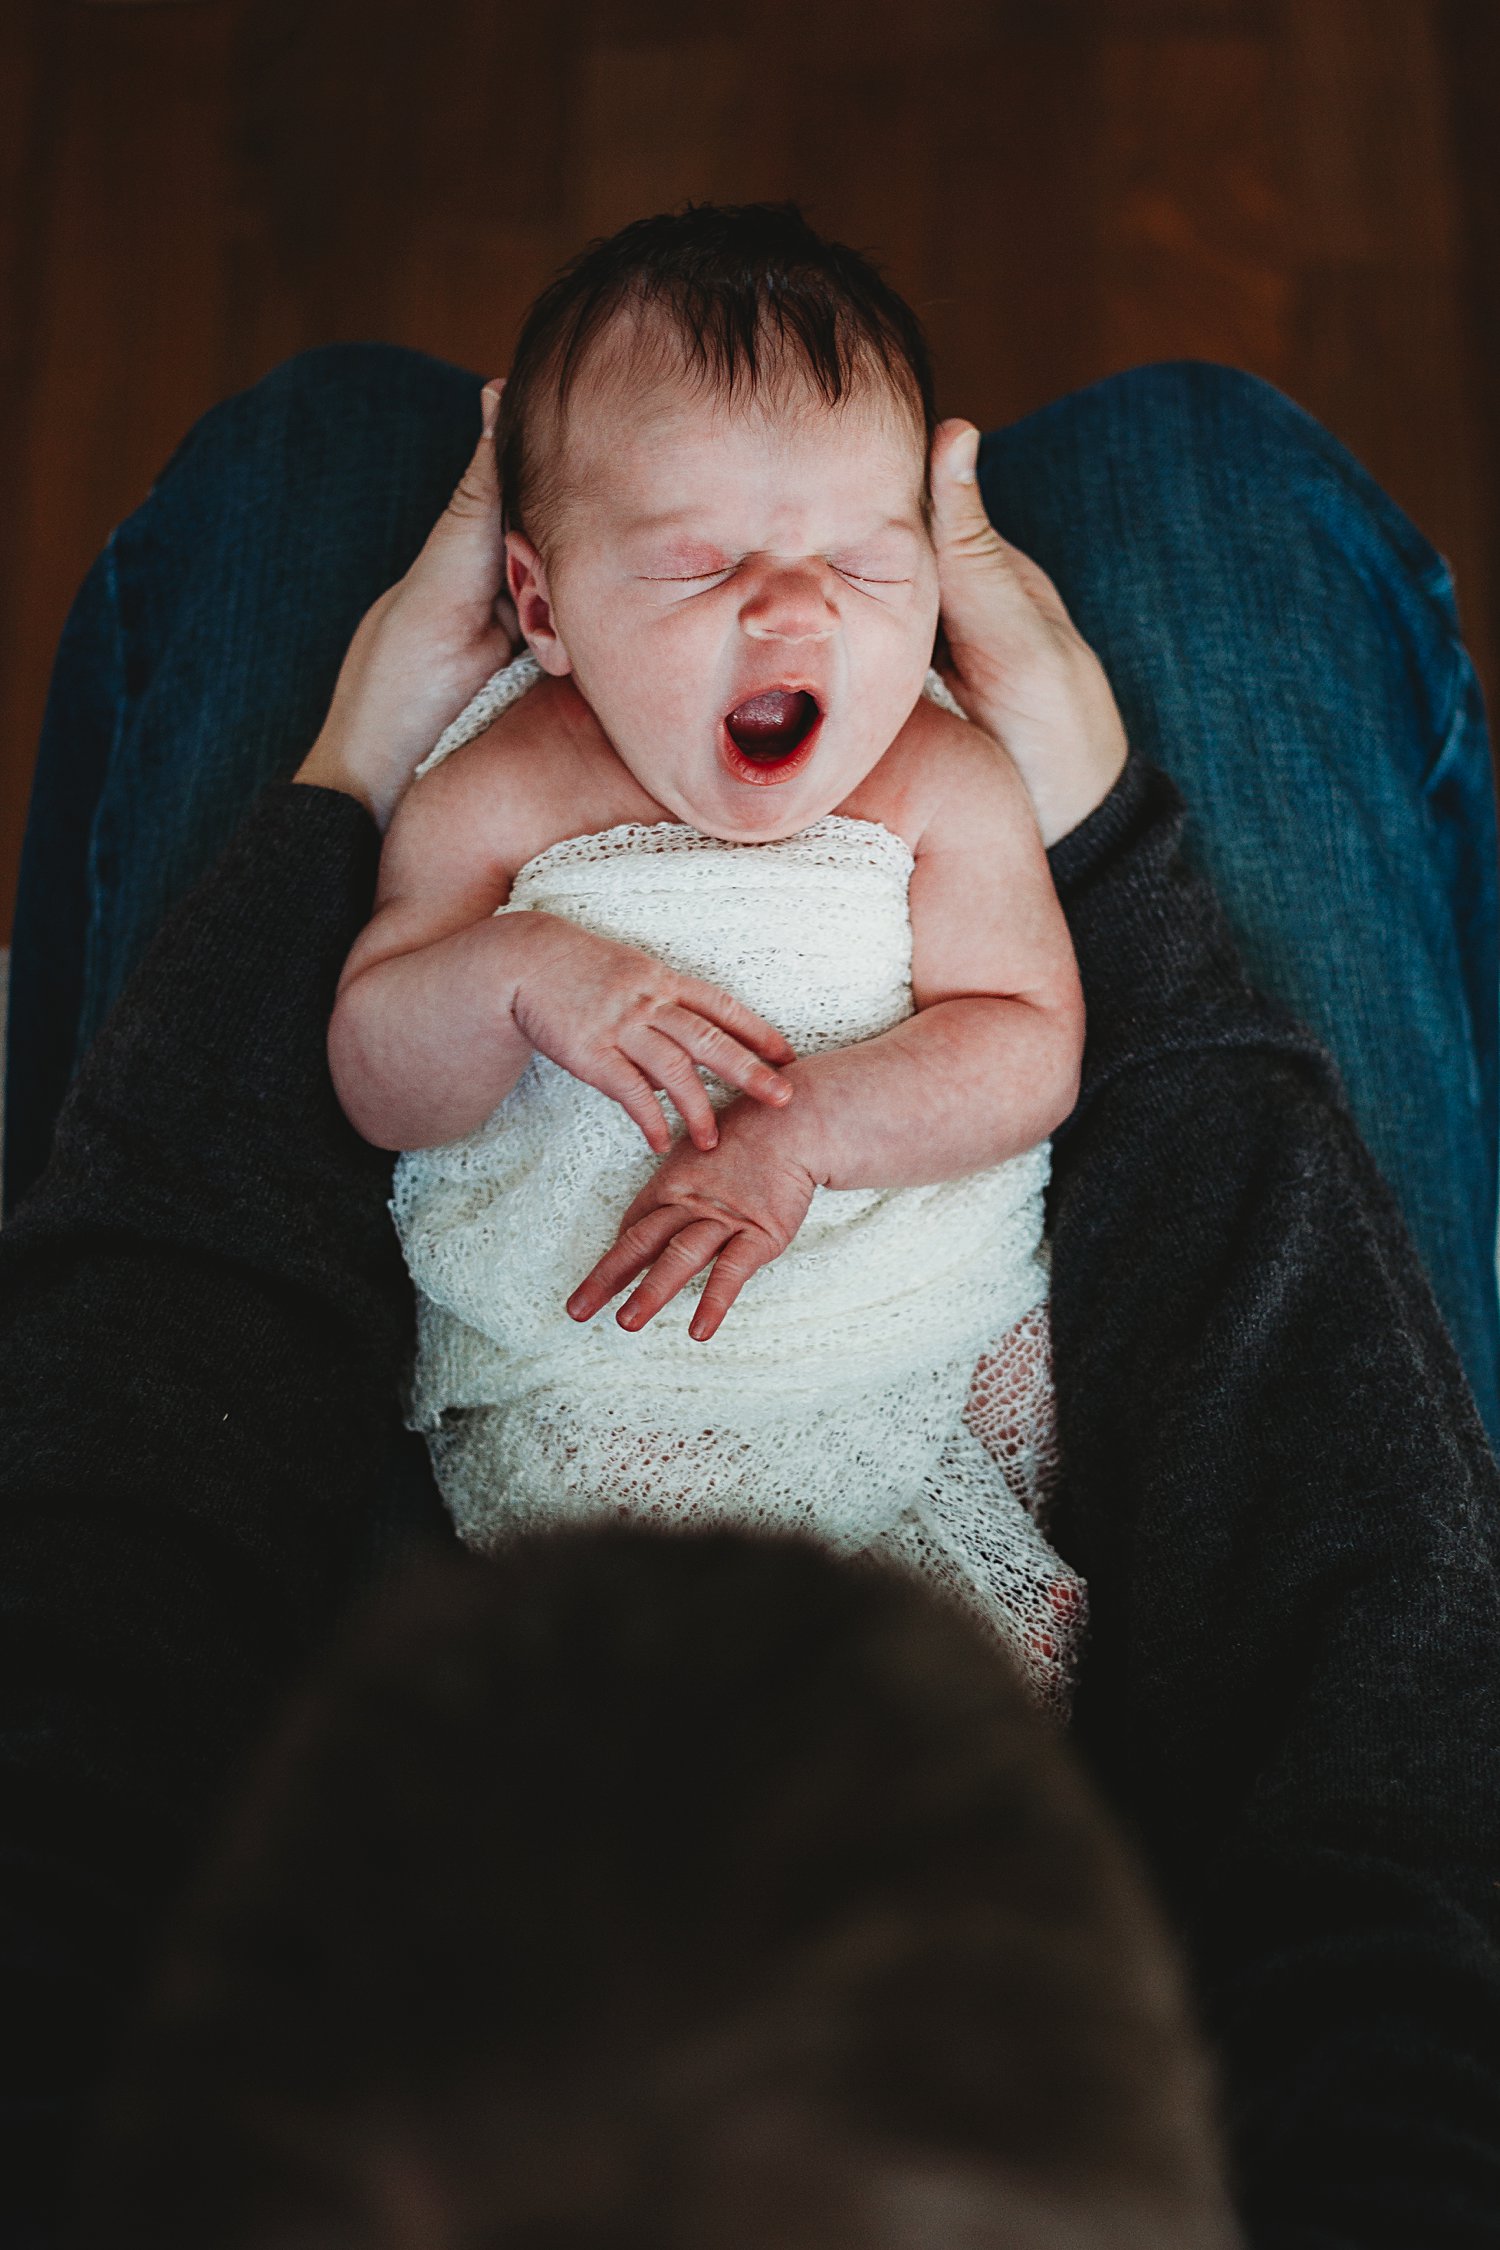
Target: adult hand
(423, 649)
(1015, 663)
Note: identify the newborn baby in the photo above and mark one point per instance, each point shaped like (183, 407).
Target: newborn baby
(720, 836)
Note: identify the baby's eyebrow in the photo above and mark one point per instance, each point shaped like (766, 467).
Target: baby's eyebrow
(665, 520)
(685, 518)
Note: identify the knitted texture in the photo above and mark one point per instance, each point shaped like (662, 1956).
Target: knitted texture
(884, 1384)
(1274, 1481)
(499, 691)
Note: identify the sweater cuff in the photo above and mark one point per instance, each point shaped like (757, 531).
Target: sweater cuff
(1076, 857)
(1159, 964)
(238, 983)
(208, 1082)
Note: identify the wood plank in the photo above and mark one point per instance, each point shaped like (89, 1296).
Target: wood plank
(1011, 288)
(126, 347)
(28, 76)
(396, 171)
(189, 194)
(1468, 35)
(654, 125)
(1383, 352)
(1369, 166)
(1193, 225)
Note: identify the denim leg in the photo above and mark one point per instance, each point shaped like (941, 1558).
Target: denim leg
(1281, 639)
(52, 903)
(1285, 643)
(196, 665)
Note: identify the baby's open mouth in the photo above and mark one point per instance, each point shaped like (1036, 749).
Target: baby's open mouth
(771, 725)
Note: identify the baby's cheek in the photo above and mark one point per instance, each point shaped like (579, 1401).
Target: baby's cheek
(632, 677)
(886, 681)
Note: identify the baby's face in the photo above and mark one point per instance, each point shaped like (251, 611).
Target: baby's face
(745, 593)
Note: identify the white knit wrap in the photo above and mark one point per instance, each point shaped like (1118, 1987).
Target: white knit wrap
(832, 1398)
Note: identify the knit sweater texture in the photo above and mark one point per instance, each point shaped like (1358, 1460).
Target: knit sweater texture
(1274, 1480)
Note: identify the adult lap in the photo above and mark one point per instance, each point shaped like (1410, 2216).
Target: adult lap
(1279, 637)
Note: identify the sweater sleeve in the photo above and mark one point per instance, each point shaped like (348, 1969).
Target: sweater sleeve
(1278, 1487)
(203, 1317)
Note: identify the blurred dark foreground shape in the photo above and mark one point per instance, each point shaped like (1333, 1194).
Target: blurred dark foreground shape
(684, 1891)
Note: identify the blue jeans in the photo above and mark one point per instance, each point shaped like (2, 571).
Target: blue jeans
(1281, 639)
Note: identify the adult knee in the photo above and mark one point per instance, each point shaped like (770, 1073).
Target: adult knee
(1201, 399)
(1216, 444)
(341, 370)
(328, 396)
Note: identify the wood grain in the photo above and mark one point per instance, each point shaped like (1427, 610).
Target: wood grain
(191, 193)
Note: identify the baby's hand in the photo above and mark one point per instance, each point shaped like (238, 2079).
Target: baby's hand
(739, 1204)
(624, 1022)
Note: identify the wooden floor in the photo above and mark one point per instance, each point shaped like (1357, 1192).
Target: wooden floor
(191, 191)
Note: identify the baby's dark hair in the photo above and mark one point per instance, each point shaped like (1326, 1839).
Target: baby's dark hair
(641, 1890)
(747, 289)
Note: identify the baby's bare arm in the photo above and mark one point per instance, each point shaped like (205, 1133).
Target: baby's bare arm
(422, 1044)
(988, 1065)
(442, 1002)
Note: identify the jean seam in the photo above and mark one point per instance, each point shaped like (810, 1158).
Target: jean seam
(94, 934)
(1461, 679)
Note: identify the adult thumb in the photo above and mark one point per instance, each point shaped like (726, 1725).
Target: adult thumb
(984, 582)
(464, 556)
(969, 549)
(479, 486)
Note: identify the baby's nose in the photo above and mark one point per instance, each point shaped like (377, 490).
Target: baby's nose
(790, 604)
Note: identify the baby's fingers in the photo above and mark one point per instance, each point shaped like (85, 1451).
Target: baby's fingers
(740, 1257)
(633, 1090)
(708, 1043)
(686, 1254)
(743, 1023)
(639, 1241)
(668, 1067)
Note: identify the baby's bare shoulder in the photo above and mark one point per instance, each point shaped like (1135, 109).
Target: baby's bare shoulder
(946, 785)
(540, 771)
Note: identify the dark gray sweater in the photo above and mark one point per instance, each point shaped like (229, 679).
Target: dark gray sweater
(1275, 1483)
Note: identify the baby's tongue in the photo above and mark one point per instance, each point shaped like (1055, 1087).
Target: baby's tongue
(770, 723)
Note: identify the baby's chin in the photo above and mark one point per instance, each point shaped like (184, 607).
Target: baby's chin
(773, 763)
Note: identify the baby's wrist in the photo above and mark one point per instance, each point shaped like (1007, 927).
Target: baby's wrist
(803, 1125)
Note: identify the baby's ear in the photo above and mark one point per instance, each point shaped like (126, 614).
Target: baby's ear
(526, 576)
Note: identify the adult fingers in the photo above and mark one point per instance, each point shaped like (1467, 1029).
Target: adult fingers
(986, 585)
(506, 618)
(718, 1051)
(462, 560)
